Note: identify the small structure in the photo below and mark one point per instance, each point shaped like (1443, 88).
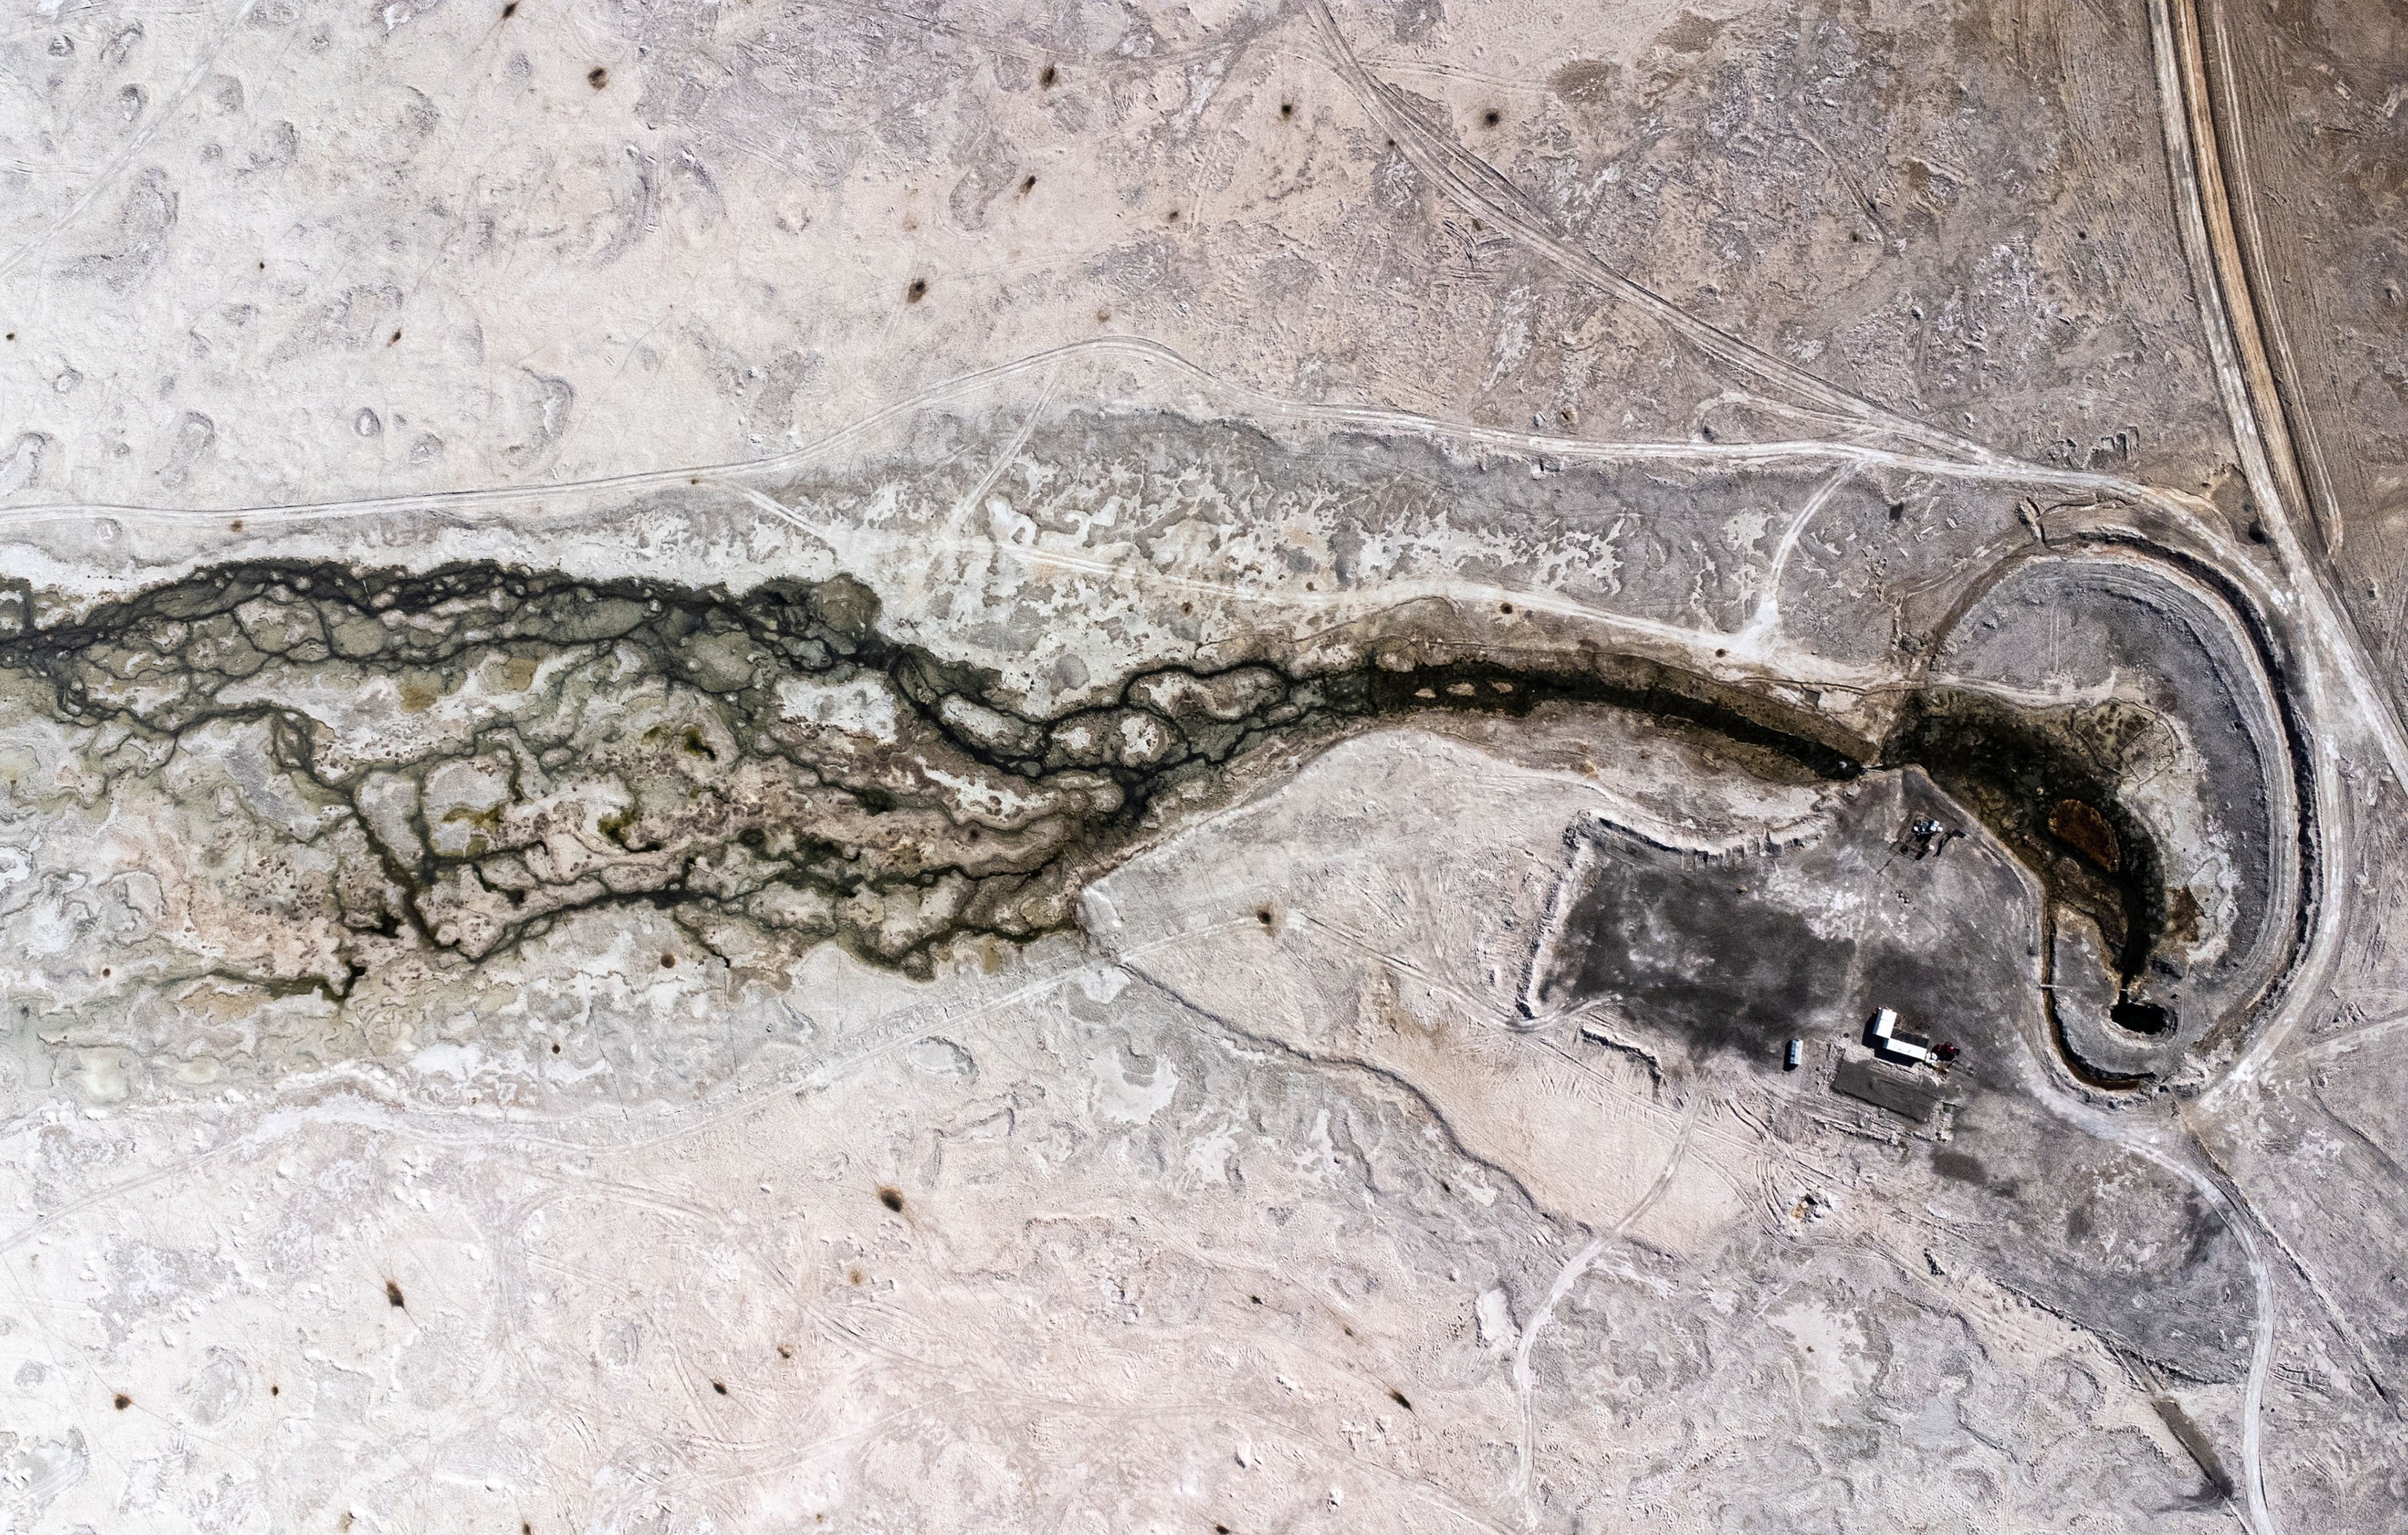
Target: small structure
(1930, 838)
(1794, 1056)
(1887, 1041)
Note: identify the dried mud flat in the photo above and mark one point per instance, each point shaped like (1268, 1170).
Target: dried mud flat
(1219, 768)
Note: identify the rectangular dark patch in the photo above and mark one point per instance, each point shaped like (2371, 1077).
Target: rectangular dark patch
(1884, 1088)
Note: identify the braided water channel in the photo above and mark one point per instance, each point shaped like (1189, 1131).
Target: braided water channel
(374, 764)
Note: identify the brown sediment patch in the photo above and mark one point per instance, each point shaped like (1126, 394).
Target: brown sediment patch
(2082, 827)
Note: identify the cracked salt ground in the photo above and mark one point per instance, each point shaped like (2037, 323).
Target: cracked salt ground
(1135, 767)
(360, 778)
(479, 731)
